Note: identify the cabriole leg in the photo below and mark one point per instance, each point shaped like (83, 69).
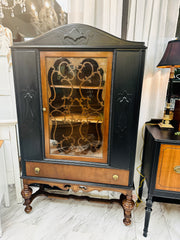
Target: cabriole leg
(26, 194)
(128, 205)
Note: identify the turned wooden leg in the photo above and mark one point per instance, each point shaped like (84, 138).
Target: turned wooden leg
(128, 205)
(147, 215)
(26, 194)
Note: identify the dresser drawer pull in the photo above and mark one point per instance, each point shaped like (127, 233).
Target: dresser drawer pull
(115, 177)
(177, 169)
(37, 170)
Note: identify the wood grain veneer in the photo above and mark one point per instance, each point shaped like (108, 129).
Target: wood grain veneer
(167, 178)
(78, 173)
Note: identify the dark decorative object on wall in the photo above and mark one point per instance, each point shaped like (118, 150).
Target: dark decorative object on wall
(84, 88)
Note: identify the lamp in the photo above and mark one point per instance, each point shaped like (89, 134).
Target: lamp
(170, 59)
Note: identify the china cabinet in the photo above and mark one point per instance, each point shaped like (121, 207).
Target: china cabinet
(78, 93)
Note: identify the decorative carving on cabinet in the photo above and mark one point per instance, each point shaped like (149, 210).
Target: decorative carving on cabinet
(77, 36)
(28, 112)
(123, 100)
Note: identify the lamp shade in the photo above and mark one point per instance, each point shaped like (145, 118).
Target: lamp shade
(171, 57)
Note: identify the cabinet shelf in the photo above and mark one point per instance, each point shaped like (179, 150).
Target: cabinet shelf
(77, 118)
(76, 87)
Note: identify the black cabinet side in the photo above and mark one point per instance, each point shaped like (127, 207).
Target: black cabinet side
(28, 104)
(127, 85)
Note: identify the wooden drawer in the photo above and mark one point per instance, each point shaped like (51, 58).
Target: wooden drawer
(78, 173)
(168, 177)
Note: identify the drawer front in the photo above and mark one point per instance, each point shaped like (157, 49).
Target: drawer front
(78, 173)
(168, 173)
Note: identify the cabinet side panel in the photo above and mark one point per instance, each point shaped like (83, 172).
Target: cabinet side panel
(148, 156)
(128, 74)
(28, 103)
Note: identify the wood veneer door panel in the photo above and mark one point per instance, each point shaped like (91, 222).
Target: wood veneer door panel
(68, 120)
(169, 158)
(78, 173)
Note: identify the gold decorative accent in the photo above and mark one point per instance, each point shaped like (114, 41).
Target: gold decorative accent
(115, 177)
(76, 104)
(177, 169)
(37, 170)
(44, 109)
(166, 121)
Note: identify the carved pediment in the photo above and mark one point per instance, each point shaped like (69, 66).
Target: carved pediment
(79, 35)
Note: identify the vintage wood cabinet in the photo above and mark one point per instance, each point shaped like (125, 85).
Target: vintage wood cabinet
(78, 93)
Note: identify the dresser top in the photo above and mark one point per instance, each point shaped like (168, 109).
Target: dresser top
(163, 135)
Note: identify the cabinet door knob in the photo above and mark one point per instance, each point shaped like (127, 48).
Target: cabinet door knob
(37, 170)
(44, 109)
(177, 169)
(115, 177)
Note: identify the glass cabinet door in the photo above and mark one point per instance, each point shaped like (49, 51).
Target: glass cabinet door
(76, 99)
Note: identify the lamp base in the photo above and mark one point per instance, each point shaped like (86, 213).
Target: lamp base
(165, 125)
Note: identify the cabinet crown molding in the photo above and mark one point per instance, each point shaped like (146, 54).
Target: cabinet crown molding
(74, 35)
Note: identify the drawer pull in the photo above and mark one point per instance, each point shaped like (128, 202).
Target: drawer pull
(177, 169)
(115, 177)
(44, 109)
(37, 170)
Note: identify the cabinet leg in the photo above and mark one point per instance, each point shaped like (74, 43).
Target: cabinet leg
(128, 205)
(148, 210)
(26, 194)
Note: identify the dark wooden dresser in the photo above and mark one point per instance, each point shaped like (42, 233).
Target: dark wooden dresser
(160, 167)
(78, 92)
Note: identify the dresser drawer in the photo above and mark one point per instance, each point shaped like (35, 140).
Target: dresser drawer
(78, 173)
(168, 173)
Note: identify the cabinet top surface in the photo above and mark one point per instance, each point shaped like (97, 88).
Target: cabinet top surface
(163, 135)
(78, 36)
